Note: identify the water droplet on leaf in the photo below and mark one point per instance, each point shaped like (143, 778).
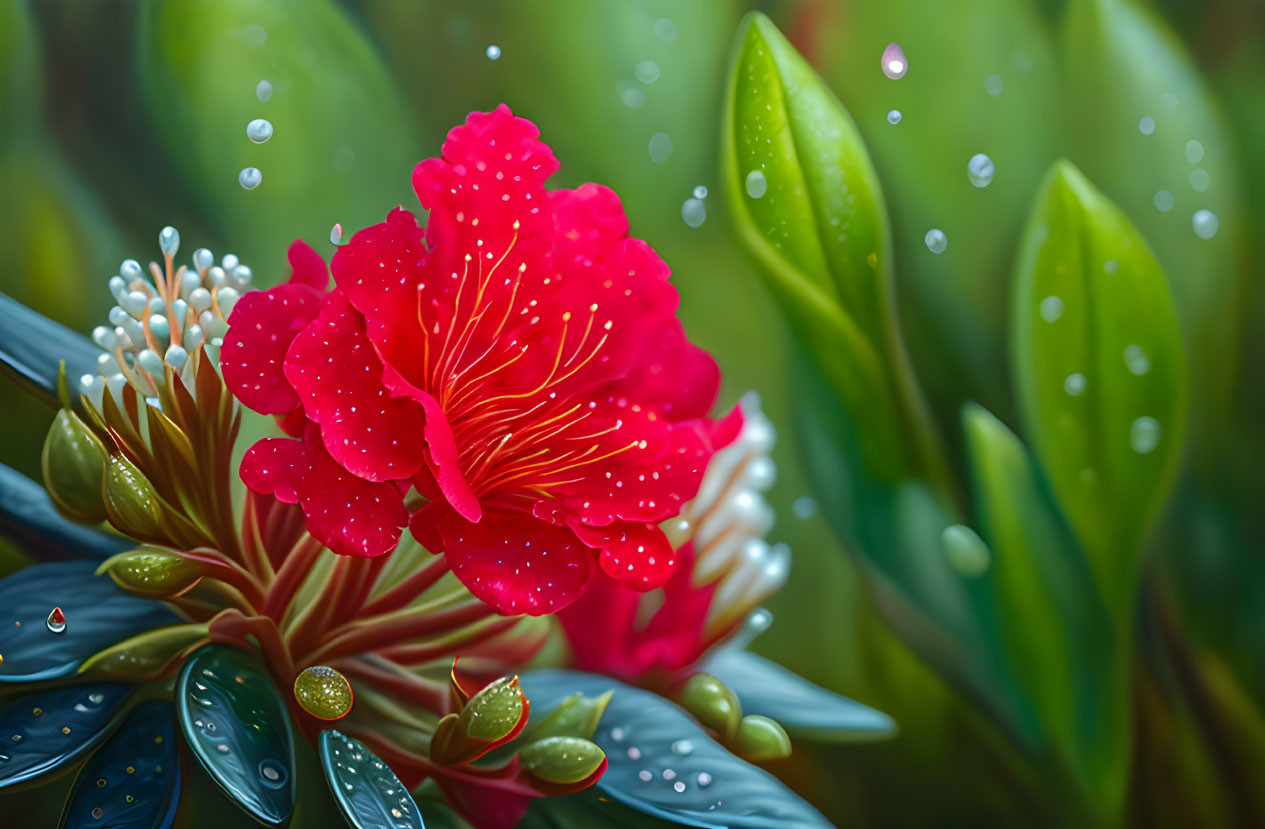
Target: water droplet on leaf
(263, 90)
(1194, 151)
(1074, 384)
(1147, 125)
(1144, 435)
(660, 147)
(1205, 224)
(1163, 201)
(994, 85)
(1135, 358)
(259, 130)
(647, 72)
(56, 621)
(700, 192)
(894, 117)
(1051, 308)
(893, 62)
(936, 240)
(980, 170)
(493, 52)
(250, 178)
(757, 185)
(694, 212)
(1200, 180)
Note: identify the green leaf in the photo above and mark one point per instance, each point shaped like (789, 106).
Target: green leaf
(1123, 65)
(152, 573)
(43, 731)
(368, 793)
(32, 348)
(1100, 372)
(28, 517)
(145, 656)
(693, 780)
(238, 727)
(134, 779)
(575, 716)
(98, 614)
(802, 708)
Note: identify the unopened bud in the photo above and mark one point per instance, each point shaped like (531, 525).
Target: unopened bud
(760, 738)
(323, 692)
(74, 464)
(575, 716)
(131, 501)
(713, 704)
(561, 759)
(154, 574)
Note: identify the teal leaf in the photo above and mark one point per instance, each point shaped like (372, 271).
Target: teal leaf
(238, 727)
(1100, 371)
(28, 518)
(43, 731)
(689, 777)
(801, 707)
(366, 790)
(133, 781)
(32, 348)
(98, 614)
(583, 810)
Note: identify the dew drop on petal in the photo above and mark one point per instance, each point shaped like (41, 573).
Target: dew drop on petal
(756, 184)
(259, 130)
(994, 85)
(1194, 151)
(1205, 224)
(250, 178)
(660, 147)
(893, 62)
(936, 240)
(263, 90)
(1074, 384)
(493, 52)
(1146, 126)
(980, 170)
(1144, 435)
(1051, 308)
(694, 212)
(1137, 361)
(1163, 200)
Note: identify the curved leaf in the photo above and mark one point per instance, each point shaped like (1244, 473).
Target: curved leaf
(32, 348)
(42, 731)
(238, 727)
(132, 782)
(801, 707)
(690, 778)
(28, 517)
(98, 615)
(366, 790)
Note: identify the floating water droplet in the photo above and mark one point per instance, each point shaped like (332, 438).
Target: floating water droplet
(263, 90)
(704, 779)
(1205, 224)
(254, 34)
(994, 85)
(56, 621)
(694, 212)
(756, 185)
(493, 52)
(1110, 266)
(678, 786)
(631, 95)
(894, 117)
(965, 550)
(804, 507)
(647, 72)
(618, 734)
(1144, 435)
(336, 234)
(660, 147)
(633, 753)
(980, 170)
(1194, 151)
(1163, 201)
(669, 774)
(1051, 308)
(1137, 361)
(700, 192)
(1147, 125)
(250, 178)
(665, 30)
(893, 62)
(645, 776)
(1074, 384)
(1200, 180)
(683, 747)
(936, 240)
(259, 130)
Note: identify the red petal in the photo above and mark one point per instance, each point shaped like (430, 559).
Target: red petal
(635, 554)
(261, 328)
(307, 267)
(338, 376)
(275, 466)
(350, 515)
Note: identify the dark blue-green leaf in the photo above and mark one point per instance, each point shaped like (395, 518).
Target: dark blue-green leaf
(643, 732)
(238, 727)
(800, 706)
(365, 788)
(32, 347)
(98, 614)
(28, 517)
(132, 781)
(42, 731)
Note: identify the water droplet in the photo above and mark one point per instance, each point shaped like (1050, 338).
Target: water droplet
(1110, 266)
(645, 776)
(804, 507)
(1051, 308)
(250, 178)
(660, 147)
(965, 550)
(1194, 151)
(101, 782)
(632, 96)
(994, 85)
(893, 62)
(274, 775)
(223, 749)
(704, 779)
(980, 170)
(1135, 358)
(1200, 180)
(263, 90)
(757, 185)
(254, 34)
(97, 812)
(336, 234)
(694, 212)
(1205, 224)
(1074, 384)
(665, 30)
(618, 734)
(669, 774)
(678, 786)
(56, 621)
(683, 747)
(1163, 201)
(633, 753)
(1144, 435)
(1147, 125)
(259, 130)
(647, 72)
(700, 192)
(936, 240)
(894, 117)
(493, 52)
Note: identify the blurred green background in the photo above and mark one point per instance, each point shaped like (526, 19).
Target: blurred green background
(117, 118)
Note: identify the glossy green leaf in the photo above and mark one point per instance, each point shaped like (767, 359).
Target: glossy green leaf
(691, 779)
(144, 656)
(32, 348)
(28, 517)
(804, 709)
(582, 810)
(133, 781)
(1063, 648)
(1123, 65)
(575, 716)
(43, 731)
(238, 726)
(366, 790)
(1100, 371)
(98, 614)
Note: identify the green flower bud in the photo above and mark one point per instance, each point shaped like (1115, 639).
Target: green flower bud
(576, 716)
(760, 738)
(713, 704)
(132, 504)
(323, 692)
(561, 759)
(145, 656)
(493, 713)
(74, 464)
(152, 573)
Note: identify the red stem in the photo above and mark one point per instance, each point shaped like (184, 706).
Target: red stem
(293, 570)
(228, 572)
(408, 590)
(399, 683)
(421, 654)
(233, 627)
(359, 638)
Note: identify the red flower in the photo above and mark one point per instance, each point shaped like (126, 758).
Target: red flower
(518, 363)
